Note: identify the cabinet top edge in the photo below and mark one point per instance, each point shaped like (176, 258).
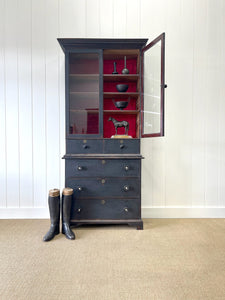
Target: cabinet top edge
(95, 43)
(103, 156)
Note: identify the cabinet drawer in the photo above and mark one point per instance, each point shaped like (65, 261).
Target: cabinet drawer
(103, 167)
(104, 187)
(121, 146)
(105, 209)
(84, 146)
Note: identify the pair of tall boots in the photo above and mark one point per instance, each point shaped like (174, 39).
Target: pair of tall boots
(54, 210)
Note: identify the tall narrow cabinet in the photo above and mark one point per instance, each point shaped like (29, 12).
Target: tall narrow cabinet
(114, 96)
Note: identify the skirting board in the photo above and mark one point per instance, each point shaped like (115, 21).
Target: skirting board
(183, 212)
(147, 212)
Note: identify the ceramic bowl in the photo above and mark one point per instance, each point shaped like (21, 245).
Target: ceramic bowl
(122, 87)
(121, 104)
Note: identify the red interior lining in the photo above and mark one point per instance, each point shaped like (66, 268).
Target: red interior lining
(108, 127)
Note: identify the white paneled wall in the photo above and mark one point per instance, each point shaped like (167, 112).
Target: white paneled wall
(183, 172)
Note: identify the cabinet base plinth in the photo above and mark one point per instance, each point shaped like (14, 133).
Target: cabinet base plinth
(138, 223)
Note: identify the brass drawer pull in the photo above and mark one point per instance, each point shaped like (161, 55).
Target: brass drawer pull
(126, 188)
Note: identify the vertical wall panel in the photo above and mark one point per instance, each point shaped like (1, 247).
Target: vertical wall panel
(184, 118)
(72, 18)
(11, 92)
(3, 201)
(133, 19)
(179, 49)
(106, 18)
(52, 97)
(92, 18)
(120, 18)
(199, 103)
(39, 104)
(25, 103)
(212, 106)
(221, 125)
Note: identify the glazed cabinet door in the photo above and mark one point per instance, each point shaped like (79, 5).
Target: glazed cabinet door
(83, 93)
(152, 88)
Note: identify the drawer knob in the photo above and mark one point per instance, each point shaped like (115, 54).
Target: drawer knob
(85, 146)
(126, 168)
(80, 188)
(125, 209)
(126, 188)
(121, 146)
(79, 168)
(79, 210)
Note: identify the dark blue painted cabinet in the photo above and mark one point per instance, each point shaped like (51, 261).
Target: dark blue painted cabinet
(103, 165)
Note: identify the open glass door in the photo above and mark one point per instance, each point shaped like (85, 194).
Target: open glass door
(152, 90)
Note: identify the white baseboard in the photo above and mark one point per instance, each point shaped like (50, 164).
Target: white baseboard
(147, 212)
(183, 212)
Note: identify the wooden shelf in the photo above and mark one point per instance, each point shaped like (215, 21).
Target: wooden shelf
(96, 111)
(84, 76)
(120, 53)
(127, 112)
(84, 93)
(109, 95)
(121, 77)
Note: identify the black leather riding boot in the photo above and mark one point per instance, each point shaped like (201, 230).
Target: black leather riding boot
(66, 210)
(54, 210)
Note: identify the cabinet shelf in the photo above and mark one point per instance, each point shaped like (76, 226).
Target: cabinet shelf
(94, 111)
(110, 95)
(122, 112)
(121, 77)
(84, 93)
(84, 76)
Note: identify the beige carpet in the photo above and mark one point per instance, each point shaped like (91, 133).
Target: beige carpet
(169, 259)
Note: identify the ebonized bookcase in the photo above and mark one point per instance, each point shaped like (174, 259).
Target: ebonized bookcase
(103, 168)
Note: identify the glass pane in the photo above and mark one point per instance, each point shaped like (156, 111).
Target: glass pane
(84, 93)
(152, 90)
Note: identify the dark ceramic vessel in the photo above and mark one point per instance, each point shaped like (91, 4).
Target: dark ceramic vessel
(121, 104)
(122, 87)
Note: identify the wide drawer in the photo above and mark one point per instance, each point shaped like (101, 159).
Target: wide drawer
(105, 209)
(103, 167)
(104, 187)
(84, 146)
(121, 146)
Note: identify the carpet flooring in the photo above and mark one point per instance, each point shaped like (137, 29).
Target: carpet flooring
(169, 259)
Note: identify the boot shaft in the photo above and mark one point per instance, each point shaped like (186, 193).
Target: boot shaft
(54, 206)
(54, 211)
(67, 197)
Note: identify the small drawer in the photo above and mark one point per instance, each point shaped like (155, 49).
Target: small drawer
(82, 168)
(84, 146)
(103, 167)
(103, 209)
(104, 187)
(121, 146)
